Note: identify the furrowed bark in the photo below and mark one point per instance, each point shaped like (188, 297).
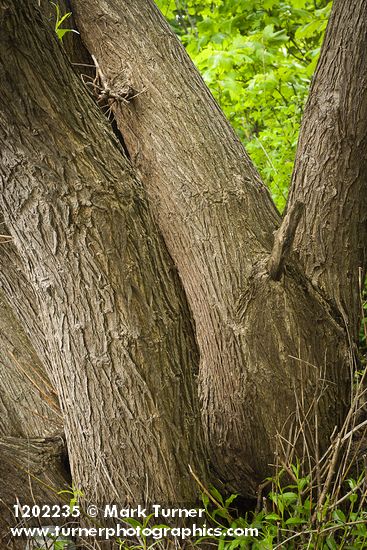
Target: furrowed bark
(20, 300)
(120, 341)
(259, 343)
(28, 409)
(330, 174)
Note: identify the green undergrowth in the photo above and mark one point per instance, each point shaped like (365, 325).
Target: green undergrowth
(290, 517)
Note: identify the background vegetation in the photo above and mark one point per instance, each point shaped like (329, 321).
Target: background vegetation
(258, 58)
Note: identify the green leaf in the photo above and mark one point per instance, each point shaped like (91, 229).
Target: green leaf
(133, 522)
(59, 20)
(295, 521)
(236, 543)
(299, 3)
(339, 516)
(331, 544)
(230, 500)
(205, 499)
(273, 517)
(61, 32)
(289, 497)
(216, 494)
(63, 18)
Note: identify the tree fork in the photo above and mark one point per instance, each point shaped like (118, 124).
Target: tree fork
(218, 221)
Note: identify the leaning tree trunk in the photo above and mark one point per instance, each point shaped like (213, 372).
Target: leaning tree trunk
(330, 174)
(33, 457)
(266, 336)
(121, 351)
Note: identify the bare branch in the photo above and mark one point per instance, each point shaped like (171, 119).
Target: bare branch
(283, 240)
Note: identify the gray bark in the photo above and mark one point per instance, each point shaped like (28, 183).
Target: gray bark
(330, 174)
(32, 468)
(120, 344)
(28, 402)
(262, 343)
(98, 293)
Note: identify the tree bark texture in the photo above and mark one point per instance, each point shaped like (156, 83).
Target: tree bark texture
(330, 174)
(262, 342)
(120, 343)
(28, 403)
(32, 472)
(29, 406)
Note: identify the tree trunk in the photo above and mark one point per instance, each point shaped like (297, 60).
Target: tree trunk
(264, 341)
(30, 469)
(98, 294)
(330, 174)
(28, 403)
(120, 345)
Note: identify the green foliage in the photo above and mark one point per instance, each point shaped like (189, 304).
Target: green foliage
(59, 21)
(145, 543)
(74, 493)
(290, 517)
(257, 57)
